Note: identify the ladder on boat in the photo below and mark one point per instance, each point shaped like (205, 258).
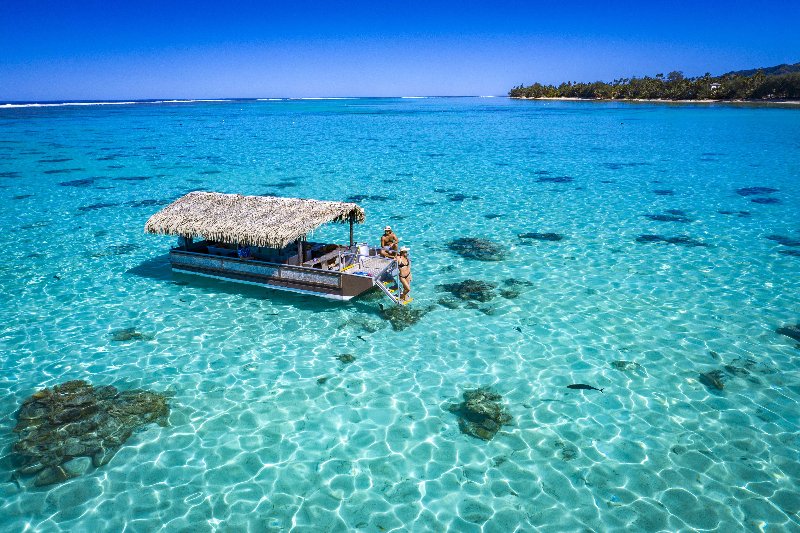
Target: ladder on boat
(391, 293)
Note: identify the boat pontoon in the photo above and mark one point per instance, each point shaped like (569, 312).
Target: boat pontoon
(262, 240)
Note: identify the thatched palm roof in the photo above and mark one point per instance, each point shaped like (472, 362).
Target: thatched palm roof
(252, 220)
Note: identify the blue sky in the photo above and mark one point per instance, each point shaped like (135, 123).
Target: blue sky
(61, 50)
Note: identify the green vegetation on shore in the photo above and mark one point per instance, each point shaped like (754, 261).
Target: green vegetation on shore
(774, 83)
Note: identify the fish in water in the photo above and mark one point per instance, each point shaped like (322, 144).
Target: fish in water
(582, 386)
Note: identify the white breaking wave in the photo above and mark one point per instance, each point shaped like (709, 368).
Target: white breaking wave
(184, 101)
(61, 104)
(132, 102)
(327, 98)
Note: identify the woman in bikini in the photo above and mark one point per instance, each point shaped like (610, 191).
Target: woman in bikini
(404, 264)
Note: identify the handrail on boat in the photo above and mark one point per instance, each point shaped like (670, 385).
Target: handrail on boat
(378, 283)
(280, 268)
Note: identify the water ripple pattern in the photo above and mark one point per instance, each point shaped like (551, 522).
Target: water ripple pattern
(642, 269)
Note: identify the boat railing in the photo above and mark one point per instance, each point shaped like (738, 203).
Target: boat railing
(329, 261)
(347, 259)
(256, 267)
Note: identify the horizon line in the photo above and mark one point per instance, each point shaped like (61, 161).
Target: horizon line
(7, 104)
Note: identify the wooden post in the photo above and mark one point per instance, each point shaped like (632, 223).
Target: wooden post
(299, 252)
(352, 220)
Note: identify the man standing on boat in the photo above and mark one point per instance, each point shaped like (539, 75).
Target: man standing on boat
(404, 264)
(389, 243)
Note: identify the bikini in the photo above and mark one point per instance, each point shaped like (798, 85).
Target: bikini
(407, 264)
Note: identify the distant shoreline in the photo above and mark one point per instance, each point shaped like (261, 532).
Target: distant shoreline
(657, 100)
(779, 84)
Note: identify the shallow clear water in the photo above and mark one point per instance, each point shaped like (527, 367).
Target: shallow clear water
(256, 443)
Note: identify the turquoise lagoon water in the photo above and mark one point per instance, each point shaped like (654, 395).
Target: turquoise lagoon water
(256, 441)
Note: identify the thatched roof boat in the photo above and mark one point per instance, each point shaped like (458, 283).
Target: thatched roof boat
(248, 220)
(262, 240)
